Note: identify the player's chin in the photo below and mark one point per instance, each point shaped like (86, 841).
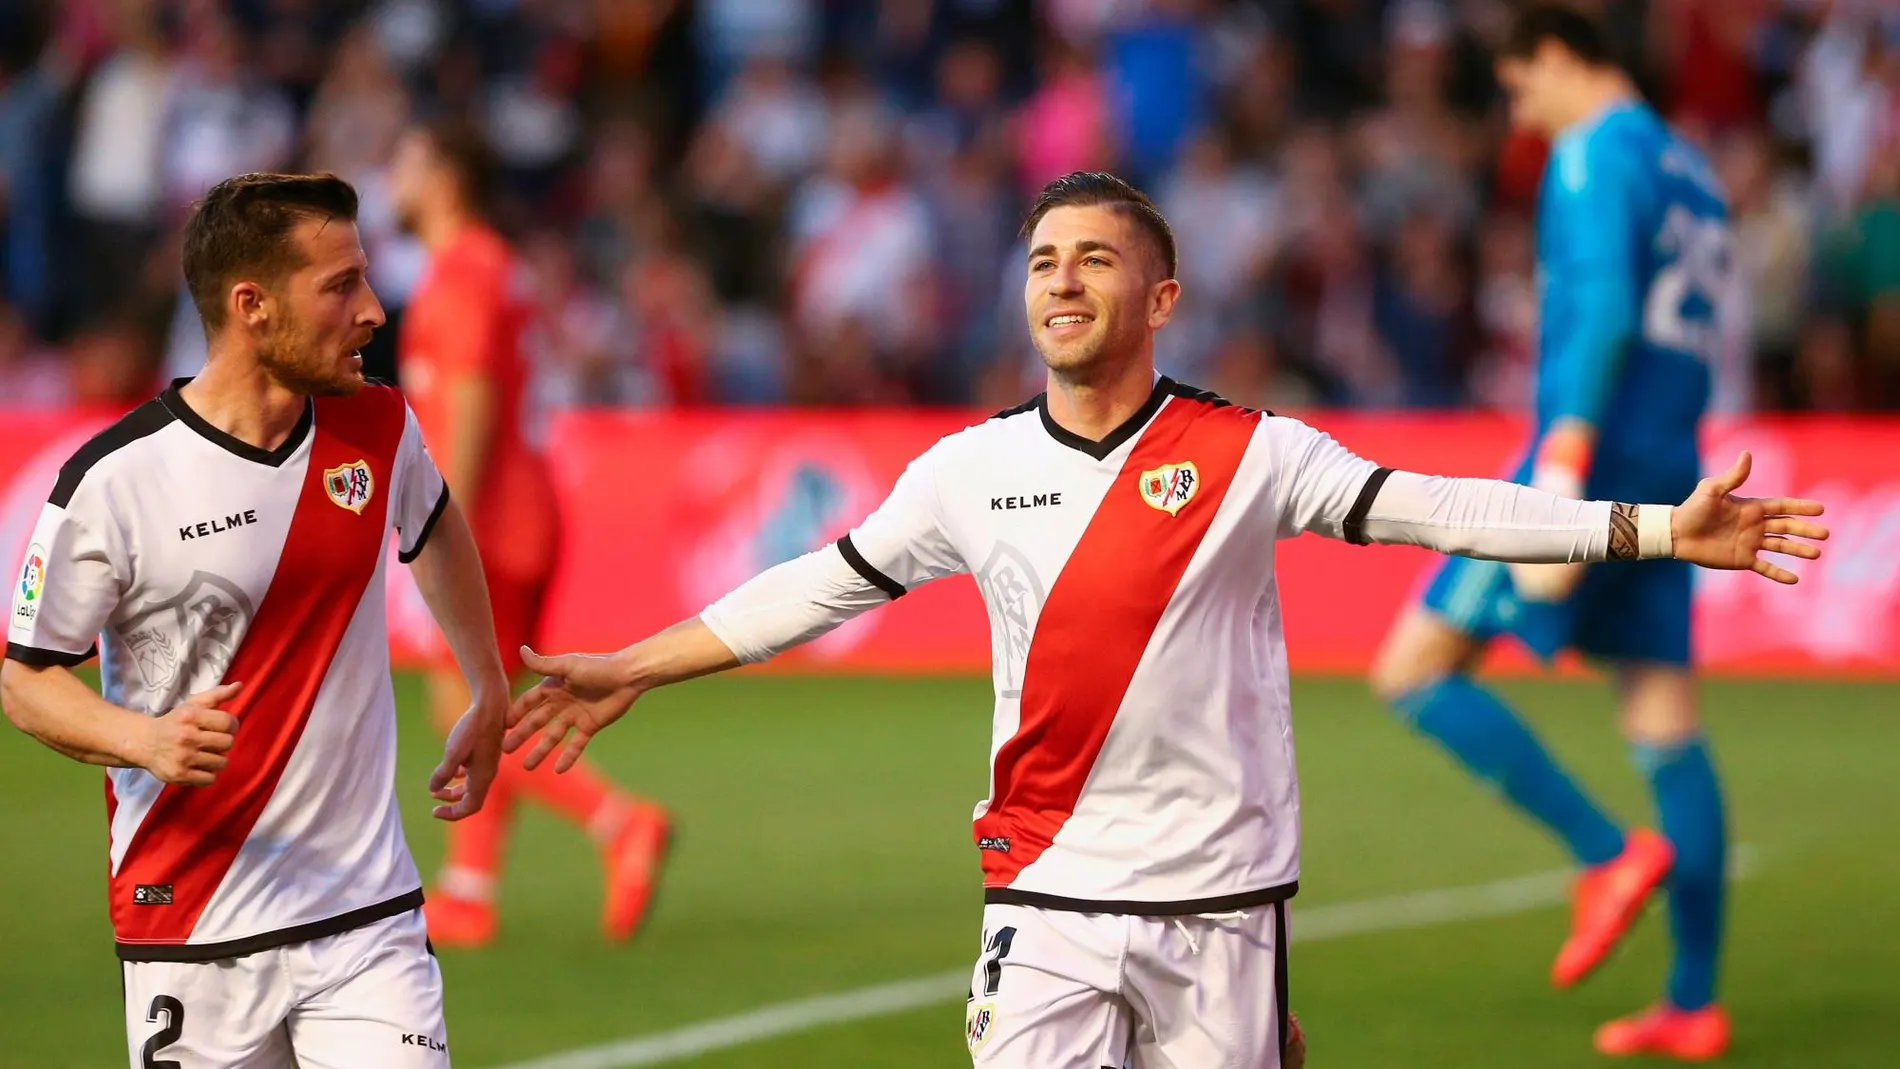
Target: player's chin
(346, 379)
(341, 386)
(1067, 356)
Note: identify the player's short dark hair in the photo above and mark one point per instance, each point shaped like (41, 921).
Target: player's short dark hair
(241, 229)
(1576, 32)
(462, 147)
(1087, 189)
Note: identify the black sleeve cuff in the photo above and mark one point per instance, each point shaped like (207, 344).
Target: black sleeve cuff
(428, 526)
(871, 575)
(40, 658)
(1354, 529)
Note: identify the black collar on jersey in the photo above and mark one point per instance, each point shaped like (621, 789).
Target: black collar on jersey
(174, 402)
(1164, 388)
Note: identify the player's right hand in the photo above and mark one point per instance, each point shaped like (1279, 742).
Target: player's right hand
(188, 745)
(583, 693)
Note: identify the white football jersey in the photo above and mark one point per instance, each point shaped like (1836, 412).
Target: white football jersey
(1142, 753)
(195, 559)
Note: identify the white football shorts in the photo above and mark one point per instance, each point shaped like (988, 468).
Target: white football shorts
(1061, 990)
(371, 996)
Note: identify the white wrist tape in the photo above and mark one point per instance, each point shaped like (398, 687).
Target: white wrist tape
(1653, 538)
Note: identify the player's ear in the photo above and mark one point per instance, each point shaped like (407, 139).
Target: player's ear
(247, 305)
(1161, 298)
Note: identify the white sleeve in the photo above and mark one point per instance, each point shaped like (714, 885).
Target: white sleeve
(68, 585)
(899, 546)
(1487, 518)
(1330, 491)
(421, 492)
(1320, 484)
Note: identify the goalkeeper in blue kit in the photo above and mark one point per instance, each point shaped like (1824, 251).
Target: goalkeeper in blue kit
(1632, 251)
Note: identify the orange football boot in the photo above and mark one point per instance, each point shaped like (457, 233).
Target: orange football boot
(1664, 1031)
(633, 862)
(1607, 900)
(460, 923)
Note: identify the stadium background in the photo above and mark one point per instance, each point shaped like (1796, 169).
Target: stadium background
(772, 245)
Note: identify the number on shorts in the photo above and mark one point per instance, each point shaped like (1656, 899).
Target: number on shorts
(174, 1012)
(994, 953)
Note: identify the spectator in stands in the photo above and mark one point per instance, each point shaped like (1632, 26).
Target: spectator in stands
(116, 184)
(860, 242)
(1351, 214)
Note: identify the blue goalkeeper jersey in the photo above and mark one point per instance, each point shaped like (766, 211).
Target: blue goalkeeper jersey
(1632, 255)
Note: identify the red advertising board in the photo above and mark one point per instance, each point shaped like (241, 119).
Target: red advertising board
(662, 513)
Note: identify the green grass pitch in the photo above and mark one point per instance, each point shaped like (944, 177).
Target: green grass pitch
(825, 847)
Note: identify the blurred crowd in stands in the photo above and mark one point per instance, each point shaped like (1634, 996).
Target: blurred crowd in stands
(816, 201)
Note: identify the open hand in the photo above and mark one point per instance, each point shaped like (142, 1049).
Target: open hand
(469, 760)
(188, 745)
(583, 693)
(1716, 529)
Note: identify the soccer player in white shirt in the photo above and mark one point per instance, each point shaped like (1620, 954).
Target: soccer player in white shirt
(1141, 835)
(224, 546)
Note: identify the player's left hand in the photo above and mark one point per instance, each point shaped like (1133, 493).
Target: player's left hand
(469, 760)
(1716, 529)
(583, 693)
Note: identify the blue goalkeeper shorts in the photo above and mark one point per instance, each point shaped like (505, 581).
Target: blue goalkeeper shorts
(1620, 610)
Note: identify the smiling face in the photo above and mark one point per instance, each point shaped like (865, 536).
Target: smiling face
(1095, 294)
(311, 325)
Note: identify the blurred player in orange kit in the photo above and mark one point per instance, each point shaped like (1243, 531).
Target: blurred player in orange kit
(461, 365)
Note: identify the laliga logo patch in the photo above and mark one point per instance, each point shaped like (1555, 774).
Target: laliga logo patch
(33, 576)
(32, 583)
(1171, 486)
(977, 1025)
(350, 485)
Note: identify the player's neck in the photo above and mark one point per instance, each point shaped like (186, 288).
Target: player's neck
(1599, 94)
(244, 402)
(1095, 407)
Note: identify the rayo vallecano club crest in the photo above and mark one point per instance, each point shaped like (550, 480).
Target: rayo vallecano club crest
(350, 485)
(977, 1025)
(1170, 486)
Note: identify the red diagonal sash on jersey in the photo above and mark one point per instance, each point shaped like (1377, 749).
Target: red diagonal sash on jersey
(191, 835)
(1096, 623)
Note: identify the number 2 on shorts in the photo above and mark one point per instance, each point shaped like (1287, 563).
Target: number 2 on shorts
(174, 1012)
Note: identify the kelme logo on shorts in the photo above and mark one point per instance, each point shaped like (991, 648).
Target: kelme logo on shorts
(152, 894)
(998, 843)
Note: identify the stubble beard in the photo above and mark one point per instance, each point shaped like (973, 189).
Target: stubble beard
(300, 366)
(1087, 360)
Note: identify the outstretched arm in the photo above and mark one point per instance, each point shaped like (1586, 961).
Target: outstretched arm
(1504, 521)
(782, 607)
(899, 546)
(1330, 491)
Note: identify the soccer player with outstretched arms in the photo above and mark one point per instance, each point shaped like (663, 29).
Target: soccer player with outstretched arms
(1140, 839)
